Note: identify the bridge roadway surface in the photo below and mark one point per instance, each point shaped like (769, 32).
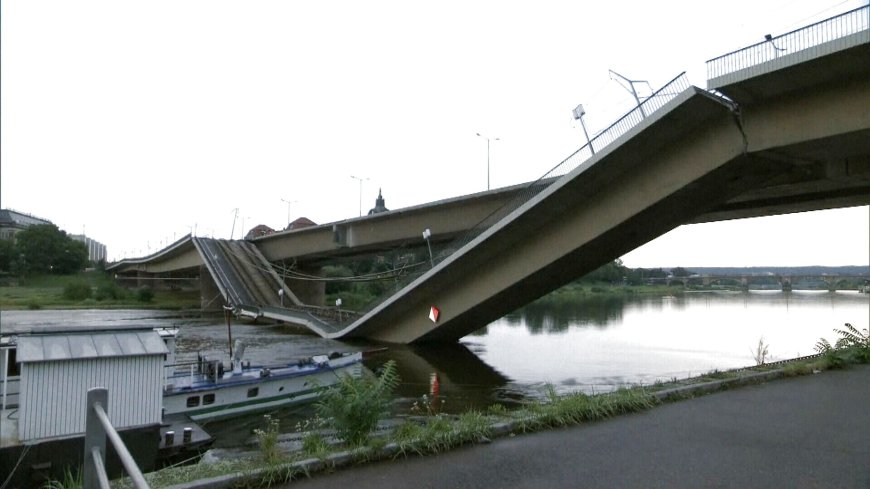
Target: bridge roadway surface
(804, 432)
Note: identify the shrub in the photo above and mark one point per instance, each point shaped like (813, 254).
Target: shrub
(77, 291)
(144, 294)
(71, 480)
(109, 291)
(760, 354)
(354, 405)
(853, 346)
(315, 444)
(268, 439)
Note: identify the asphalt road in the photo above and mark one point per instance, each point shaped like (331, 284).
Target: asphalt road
(806, 432)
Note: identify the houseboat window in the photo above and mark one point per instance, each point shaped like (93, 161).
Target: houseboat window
(208, 399)
(253, 392)
(193, 401)
(12, 367)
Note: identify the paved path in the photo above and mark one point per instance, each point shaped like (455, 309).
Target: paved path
(806, 432)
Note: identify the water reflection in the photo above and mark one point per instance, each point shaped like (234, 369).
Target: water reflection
(599, 343)
(464, 380)
(558, 316)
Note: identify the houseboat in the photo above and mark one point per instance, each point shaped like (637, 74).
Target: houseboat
(46, 374)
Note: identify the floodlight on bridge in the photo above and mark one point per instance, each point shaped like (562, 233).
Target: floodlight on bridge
(579, 112)
(426, 234)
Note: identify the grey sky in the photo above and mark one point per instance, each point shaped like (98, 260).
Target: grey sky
(139, 122)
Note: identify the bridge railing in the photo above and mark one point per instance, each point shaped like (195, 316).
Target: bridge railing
(836, 27)
(623, 125)
(97, 429)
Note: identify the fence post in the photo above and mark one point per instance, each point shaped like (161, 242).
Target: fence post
(95, 437)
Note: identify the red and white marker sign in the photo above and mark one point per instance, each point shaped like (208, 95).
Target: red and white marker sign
(434, 313)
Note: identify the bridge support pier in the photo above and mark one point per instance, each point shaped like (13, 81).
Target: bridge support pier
(310, 292)
(209, 295)
(143, 278)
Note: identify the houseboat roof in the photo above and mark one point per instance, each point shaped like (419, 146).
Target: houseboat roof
(56, 347)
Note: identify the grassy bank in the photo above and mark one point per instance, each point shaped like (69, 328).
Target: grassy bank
(581, 290)
(88, 290)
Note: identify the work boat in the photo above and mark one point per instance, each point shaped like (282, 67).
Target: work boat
(207, 389)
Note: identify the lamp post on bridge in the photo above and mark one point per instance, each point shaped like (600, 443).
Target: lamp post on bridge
(579, 112)
(360, 191)
(487, 156)
(426, 235)
(631, 89)
(288, 202)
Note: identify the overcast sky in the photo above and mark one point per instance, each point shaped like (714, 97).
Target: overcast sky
(138, 122)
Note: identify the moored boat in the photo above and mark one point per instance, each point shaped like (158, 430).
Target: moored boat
(207, 389)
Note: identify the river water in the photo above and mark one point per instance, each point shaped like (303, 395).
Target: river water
(593, 344)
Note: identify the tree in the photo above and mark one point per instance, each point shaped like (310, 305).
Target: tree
(611, 272)
(46, 249)
(7, 255)
(681, 272)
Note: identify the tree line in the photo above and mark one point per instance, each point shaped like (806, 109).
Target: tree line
(42, 249)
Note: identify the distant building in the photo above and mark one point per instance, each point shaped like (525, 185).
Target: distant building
(379, 205)
(302, 222)
(13, 222)
(258, 231)
(96, 250)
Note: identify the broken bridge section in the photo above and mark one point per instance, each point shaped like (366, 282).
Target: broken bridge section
(251, 287)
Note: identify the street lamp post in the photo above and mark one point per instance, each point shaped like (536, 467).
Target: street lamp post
(487, 157)
(426, 235)
(360, 191)
(288, 202)
(631, 89)
(579, 112)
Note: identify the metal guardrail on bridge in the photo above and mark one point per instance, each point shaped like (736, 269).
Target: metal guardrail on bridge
(837, 27)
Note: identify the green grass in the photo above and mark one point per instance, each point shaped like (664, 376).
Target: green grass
(47, 292)
(573, 291)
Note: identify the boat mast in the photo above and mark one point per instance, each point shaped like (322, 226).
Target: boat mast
(227, 312)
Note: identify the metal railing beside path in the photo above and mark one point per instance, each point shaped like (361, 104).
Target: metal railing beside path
(98, 428)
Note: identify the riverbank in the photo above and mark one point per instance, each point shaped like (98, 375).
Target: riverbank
(291, 457)
(808, 431)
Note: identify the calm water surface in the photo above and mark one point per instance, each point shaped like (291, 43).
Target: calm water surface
(591, 345)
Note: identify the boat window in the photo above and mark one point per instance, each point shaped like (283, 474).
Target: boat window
(253, 392)
(208, 399)
(12, 366)
(193, 401)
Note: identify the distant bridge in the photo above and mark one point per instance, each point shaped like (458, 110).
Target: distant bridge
(784, 282)
(776, 132)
